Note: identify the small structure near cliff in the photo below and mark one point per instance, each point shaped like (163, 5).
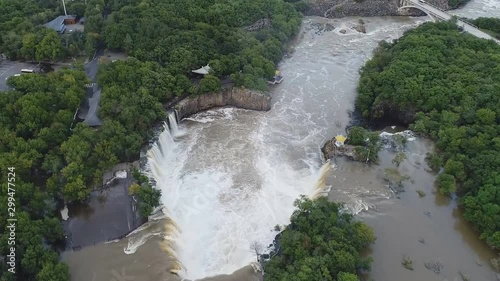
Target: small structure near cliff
(340, 140)
(204, 70)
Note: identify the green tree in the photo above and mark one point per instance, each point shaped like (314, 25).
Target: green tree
(446, 183)
(50, 48)
(209, 83)
(321, 243)
(54, 272)
(345, 276)
(356, 135)
(28, 50)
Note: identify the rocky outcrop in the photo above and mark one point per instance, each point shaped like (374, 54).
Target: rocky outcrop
(258, 25)
(360, 27)
(330, 150)
(365, 8)
(237, 97)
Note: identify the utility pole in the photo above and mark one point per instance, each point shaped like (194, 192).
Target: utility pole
(64, 6)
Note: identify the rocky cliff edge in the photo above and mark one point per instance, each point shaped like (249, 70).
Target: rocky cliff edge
(237, 97)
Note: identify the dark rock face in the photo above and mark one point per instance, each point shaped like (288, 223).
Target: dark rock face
(237, 97)
(365, 8)
(258, 25)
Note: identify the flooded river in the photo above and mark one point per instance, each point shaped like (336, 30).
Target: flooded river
(229, 176)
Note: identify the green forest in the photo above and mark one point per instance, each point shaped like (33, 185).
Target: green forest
(185, 35)
(56, 158)
(445, 84)
(35, 124)
(322, 242)
(23, 36)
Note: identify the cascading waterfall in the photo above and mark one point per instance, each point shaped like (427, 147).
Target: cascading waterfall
(212, 219)
(161, 151)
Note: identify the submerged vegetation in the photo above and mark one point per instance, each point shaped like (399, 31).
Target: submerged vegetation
(322, 242)
(446, 84)
(366, 144)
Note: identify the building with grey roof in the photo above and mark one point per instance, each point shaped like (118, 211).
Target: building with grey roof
(59, 24)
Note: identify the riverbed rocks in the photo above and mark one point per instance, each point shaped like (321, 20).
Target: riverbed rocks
(330, 150)
(365, 8)
(407, 263)
(434, 266)
(237, 97)
(322, 27)
(360, 27)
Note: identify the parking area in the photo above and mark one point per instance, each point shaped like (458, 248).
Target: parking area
(10, 68)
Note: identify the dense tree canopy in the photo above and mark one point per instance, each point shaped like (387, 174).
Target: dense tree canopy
(186, 35)
(447, 84)
(23, 36)
(322, 242)
(35, 120)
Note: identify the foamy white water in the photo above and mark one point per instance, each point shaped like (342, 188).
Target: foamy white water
(234, 174)
(225, 195)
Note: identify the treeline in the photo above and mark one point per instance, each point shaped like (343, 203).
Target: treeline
(23, 36)
(322, 242)
(182, 36)
(447, 85)
(35, 122)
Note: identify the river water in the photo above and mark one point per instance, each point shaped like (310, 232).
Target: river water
(230, 176)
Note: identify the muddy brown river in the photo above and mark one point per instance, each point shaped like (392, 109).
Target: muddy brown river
(229, 176)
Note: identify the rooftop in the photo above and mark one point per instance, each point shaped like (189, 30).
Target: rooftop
(57, 24)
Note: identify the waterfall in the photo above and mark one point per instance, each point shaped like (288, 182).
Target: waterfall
(159, 156)
(320, 187)
(216, 207)
(172, 120)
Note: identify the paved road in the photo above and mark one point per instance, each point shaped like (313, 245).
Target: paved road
(90, 108)
(8, 68)
(445, 16)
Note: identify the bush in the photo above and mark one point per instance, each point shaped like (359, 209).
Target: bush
(356, 136)
(434, 162)
(446, 183)
(321, 243)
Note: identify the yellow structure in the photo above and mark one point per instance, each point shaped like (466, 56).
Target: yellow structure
(339, 140)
